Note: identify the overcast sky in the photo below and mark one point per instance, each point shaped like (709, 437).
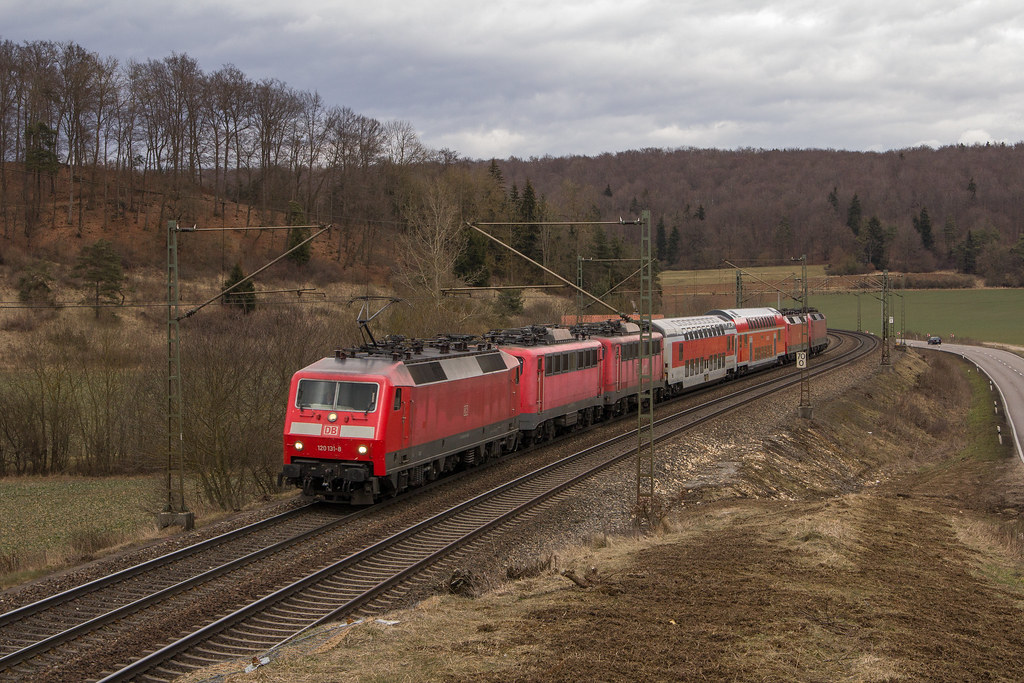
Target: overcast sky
(494, 78)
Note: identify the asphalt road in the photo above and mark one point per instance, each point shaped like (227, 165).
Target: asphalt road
(1005, 369)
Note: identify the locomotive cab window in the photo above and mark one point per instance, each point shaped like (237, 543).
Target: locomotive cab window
(318, 394)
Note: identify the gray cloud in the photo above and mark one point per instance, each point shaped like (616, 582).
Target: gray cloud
(533, 78)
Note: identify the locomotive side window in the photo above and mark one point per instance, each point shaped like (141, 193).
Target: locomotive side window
(398, 398)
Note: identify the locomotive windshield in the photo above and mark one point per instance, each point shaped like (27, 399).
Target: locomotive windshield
(320, 394)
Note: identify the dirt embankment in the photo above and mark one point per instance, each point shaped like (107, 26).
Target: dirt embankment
(881, 542)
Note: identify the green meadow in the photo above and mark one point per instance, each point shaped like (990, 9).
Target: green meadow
(995, 315)
(49, 522)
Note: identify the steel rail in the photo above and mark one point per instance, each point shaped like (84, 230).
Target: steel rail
(88, 625)
(187, 551)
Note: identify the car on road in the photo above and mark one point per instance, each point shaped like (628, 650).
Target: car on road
(934, 340)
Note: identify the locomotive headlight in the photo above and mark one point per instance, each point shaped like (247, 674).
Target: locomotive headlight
(332, 417)
(362, 449)
(298, 445)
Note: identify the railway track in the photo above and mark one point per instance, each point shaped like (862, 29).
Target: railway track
(367, 581)
(33, 630)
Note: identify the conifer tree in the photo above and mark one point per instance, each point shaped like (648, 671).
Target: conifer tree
(875, 241)
(674, 240)
(660, 241)
(923, 225)
(527, 237)
(100, 267)
(853, 215)
(243, 296)
(296, 216)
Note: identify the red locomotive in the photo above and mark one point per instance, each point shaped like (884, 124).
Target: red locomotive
(620, 369)
(561, 385)
(375, 422)
(817, 333)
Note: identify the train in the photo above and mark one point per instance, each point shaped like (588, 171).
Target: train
(375, 421)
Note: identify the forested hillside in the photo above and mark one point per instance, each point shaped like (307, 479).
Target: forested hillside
(913, 210)
(93, 148)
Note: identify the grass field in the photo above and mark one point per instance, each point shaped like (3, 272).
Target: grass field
(993, 315)
(48, 522)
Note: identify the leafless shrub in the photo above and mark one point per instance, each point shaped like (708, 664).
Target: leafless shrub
(37, 412)
(529, 569)
(9, 563)
(84, 543)
(650, 513)
(235, 376)
(462, 582)
(28, 320)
